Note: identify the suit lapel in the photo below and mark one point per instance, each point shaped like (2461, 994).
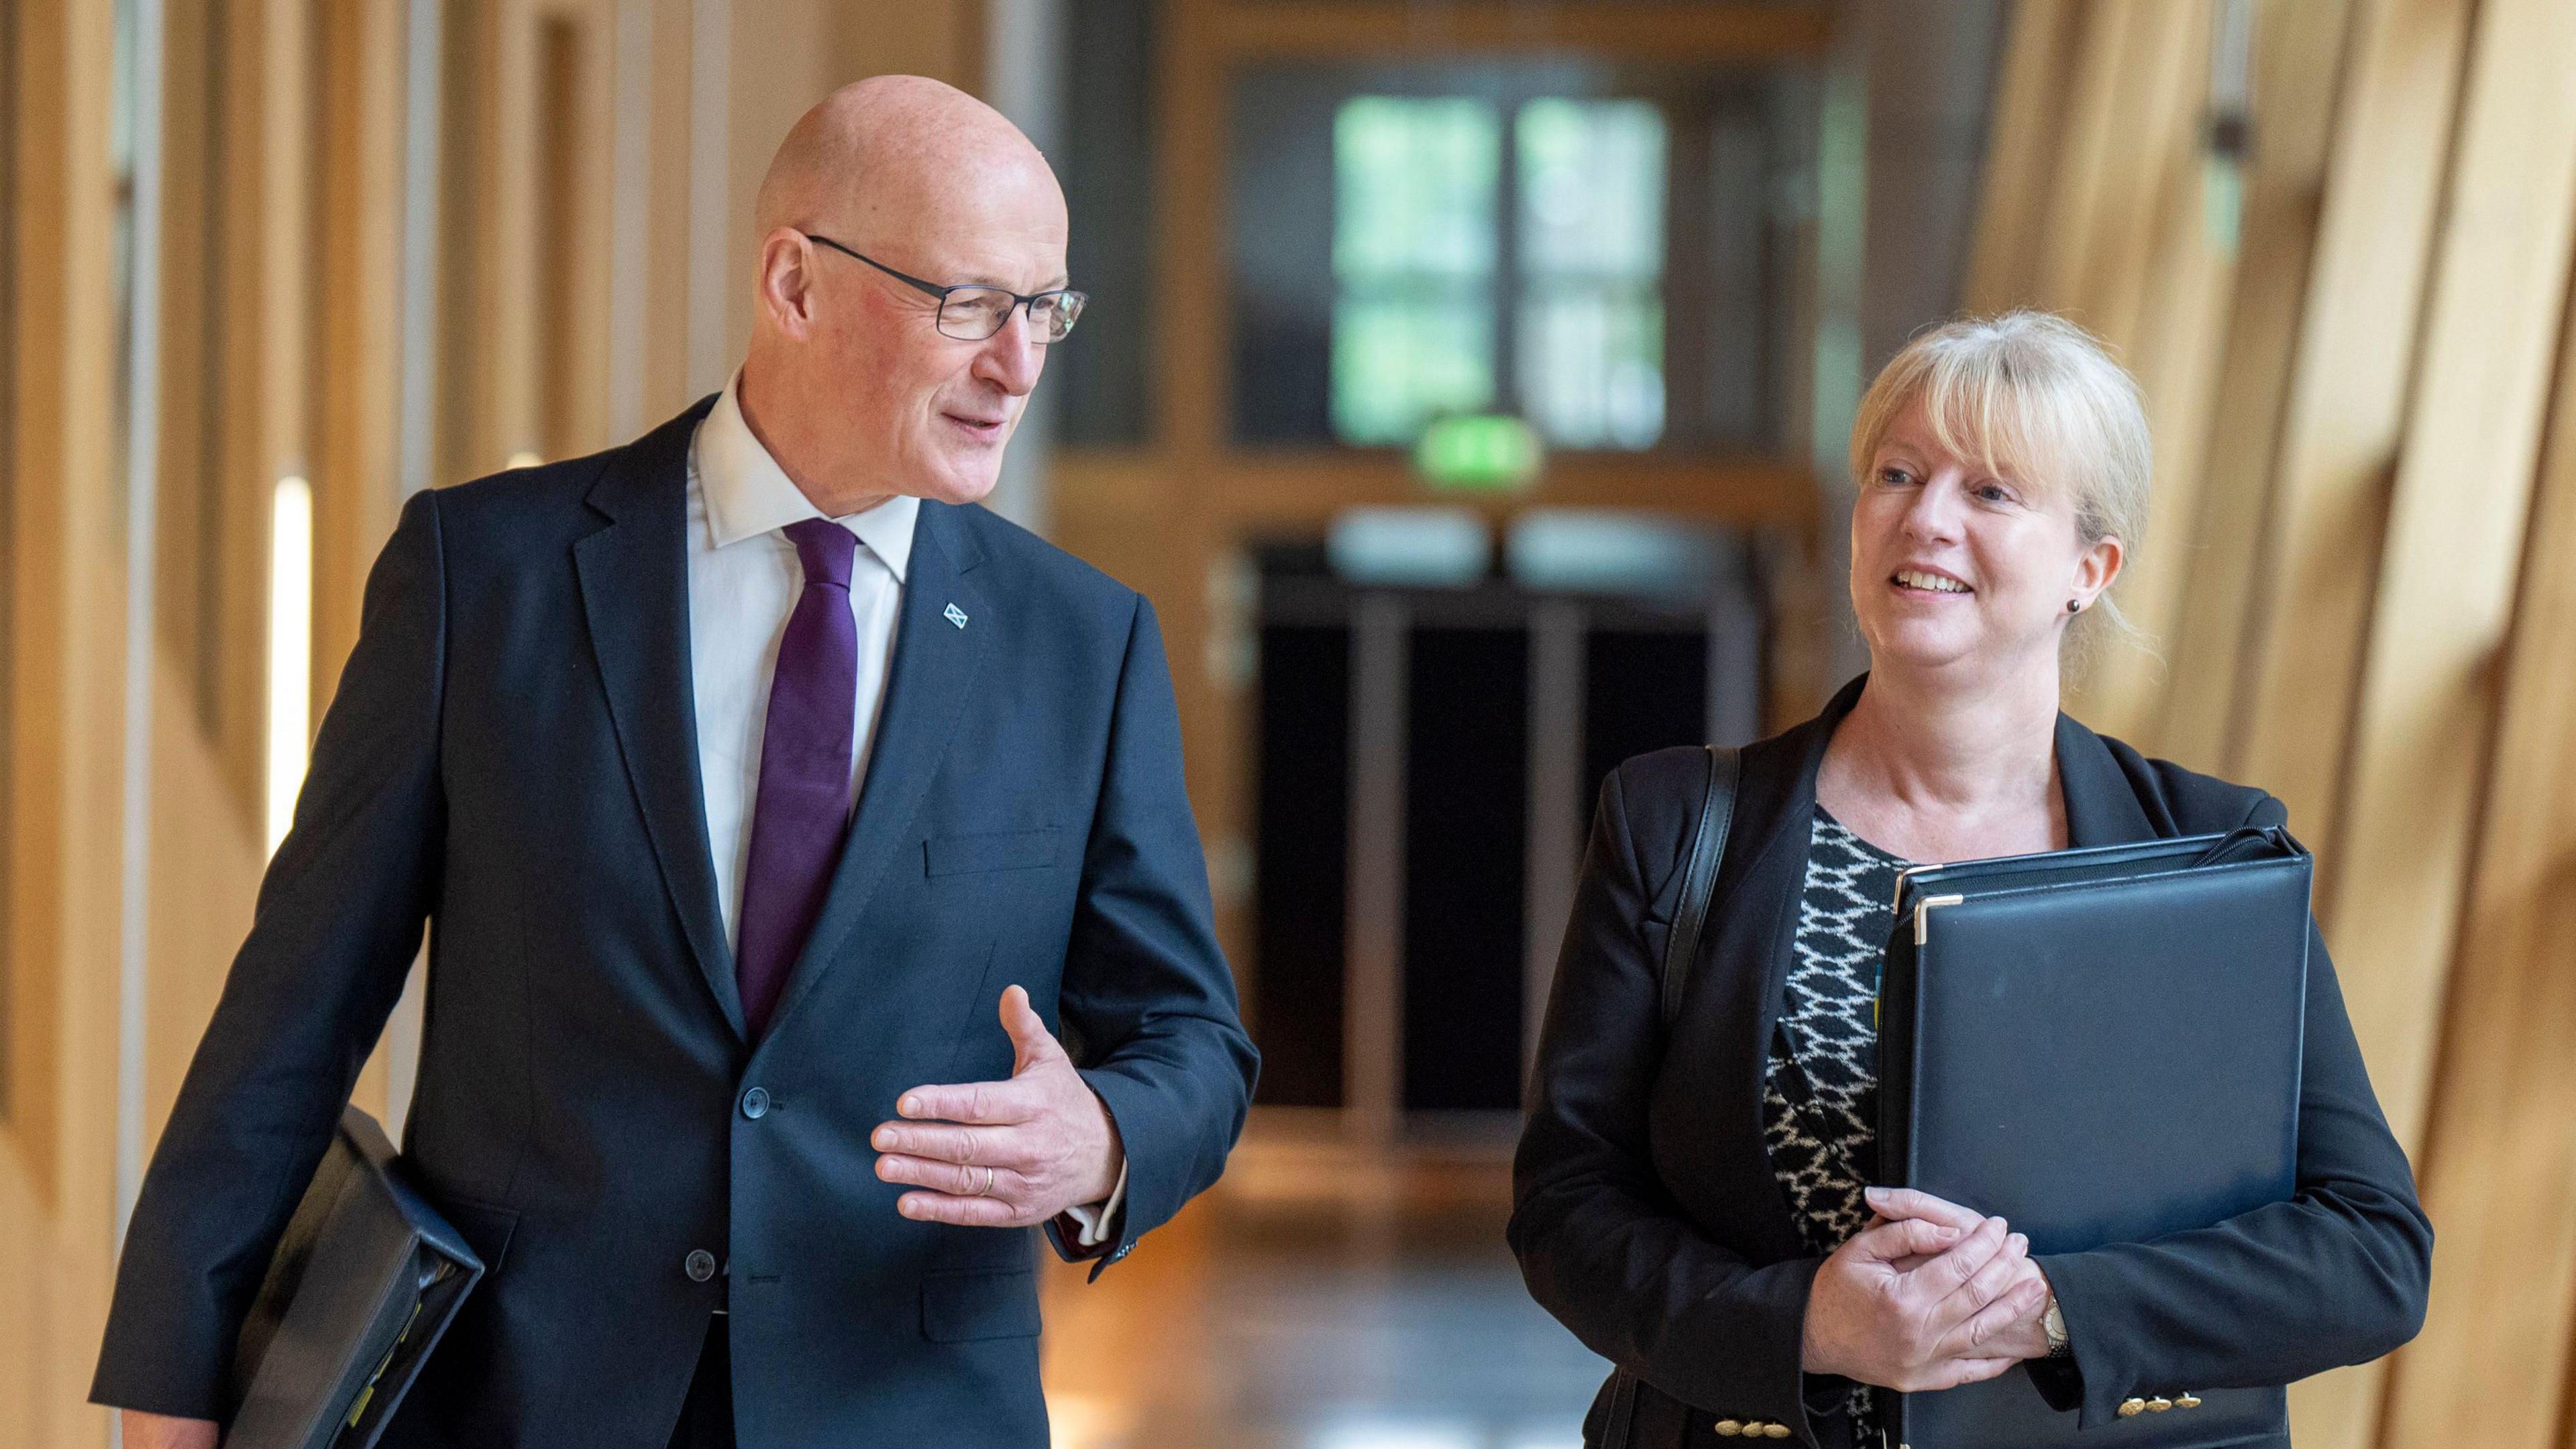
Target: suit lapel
(2101, 805)
(635, 598)
(936, 657)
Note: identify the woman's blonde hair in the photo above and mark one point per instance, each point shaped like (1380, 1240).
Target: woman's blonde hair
(2032, 397)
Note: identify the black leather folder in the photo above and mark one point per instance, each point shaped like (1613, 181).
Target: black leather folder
(364, 1281)
(2102, 1046)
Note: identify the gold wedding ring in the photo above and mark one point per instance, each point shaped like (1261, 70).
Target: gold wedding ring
(987, 1189)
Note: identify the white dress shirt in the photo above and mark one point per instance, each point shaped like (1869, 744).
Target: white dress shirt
(744, 579)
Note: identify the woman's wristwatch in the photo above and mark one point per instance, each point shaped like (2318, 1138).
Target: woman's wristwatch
(2053, 1323)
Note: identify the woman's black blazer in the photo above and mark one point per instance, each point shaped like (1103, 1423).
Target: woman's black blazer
(1645, 1214)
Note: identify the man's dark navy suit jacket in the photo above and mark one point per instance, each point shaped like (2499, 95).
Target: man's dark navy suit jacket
(512, 756)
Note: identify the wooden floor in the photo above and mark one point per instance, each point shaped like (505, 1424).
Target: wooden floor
(1319, 1298)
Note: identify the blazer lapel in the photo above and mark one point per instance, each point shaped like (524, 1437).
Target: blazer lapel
(635, 598)
(2101, 806)
(939, 644)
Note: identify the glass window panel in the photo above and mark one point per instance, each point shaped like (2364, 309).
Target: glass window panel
(1414, 188)
(1592, 367)
(1399, 363)
(1591, 188)
(1678, 197)
(1414, 184)
(1590, 347)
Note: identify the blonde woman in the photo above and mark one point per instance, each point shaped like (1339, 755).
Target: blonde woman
(1692, 1204)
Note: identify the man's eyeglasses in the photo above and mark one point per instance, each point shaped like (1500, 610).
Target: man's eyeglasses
(972, 313)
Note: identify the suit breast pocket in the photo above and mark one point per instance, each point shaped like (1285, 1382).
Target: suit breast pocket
(990, 850)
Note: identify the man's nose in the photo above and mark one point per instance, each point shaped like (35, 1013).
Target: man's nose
(1013, 357)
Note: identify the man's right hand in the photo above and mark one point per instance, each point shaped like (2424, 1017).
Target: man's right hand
(160, 1431)
(1916, 1306)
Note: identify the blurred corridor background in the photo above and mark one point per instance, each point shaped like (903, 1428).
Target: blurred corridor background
(1467, 382)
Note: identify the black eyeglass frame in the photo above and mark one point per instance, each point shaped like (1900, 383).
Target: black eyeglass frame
(1019, 300)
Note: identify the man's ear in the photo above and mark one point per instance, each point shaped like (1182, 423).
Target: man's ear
(786, 281)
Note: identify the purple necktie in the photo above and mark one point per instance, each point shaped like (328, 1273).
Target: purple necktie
(804, 804)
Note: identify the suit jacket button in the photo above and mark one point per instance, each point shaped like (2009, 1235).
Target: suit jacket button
(2159, 1404)
(2132, 1408)
(1729, 1428)
(755, 1103)
(1775, 1431)
(700, 1265)
(2187, 1401)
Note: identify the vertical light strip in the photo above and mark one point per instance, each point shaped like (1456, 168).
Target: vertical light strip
(1558, 632)
(421, 62)
(630, 210)
(290, 649)
(1024, 69)
(142, 510)
(1842, 195)
(1373, 933)
(418, 324)
(710, 205)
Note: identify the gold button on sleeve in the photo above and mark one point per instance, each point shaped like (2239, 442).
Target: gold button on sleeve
(2187, 1401)
(1729, 1428)
(2159, 1404)
(2132, 1408)
(1775, 1431)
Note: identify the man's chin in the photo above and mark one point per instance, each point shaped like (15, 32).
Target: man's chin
(962, 487)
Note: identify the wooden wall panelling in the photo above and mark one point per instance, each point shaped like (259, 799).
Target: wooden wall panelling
(2501, 1137)
(571, 51)
(1664, 31)
(942, 39)
(2454, 535)
(193, 372)
(2162, 300)
(357, 210)
(358, 246)
(2455, 532)
(2032, 93)
(2135, 84)
(9, 222)
(2299, 47)
(782, 63)
(1188, 423)
(512, 361)
(249, 279)
(666, 264)
(469, 257)
(65, 611)
(241, 424)
(2309, 612)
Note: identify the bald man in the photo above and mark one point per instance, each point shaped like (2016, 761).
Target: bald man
(815, 913)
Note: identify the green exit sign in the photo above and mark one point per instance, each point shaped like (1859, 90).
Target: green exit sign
(1480, 453)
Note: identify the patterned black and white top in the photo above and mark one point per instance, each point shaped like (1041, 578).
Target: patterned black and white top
(1820, 1094)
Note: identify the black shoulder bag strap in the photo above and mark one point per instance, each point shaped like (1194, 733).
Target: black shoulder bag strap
(1699, 882)
(1699, 877)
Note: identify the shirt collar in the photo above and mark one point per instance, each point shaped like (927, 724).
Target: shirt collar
(747, 493)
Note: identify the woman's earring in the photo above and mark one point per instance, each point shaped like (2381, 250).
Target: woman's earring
(2075, 606)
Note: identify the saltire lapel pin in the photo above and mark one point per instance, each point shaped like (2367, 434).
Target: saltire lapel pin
(954, 615)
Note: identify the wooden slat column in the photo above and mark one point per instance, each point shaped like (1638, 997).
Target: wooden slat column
(65, 613)
(2299, 49)
(2310, 609)
(2032, 96)
(2445, 588)
(2502, 1132)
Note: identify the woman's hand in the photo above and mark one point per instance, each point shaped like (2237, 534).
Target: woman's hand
(1949, 1319)
(158, 1431)
(2026, 1338)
